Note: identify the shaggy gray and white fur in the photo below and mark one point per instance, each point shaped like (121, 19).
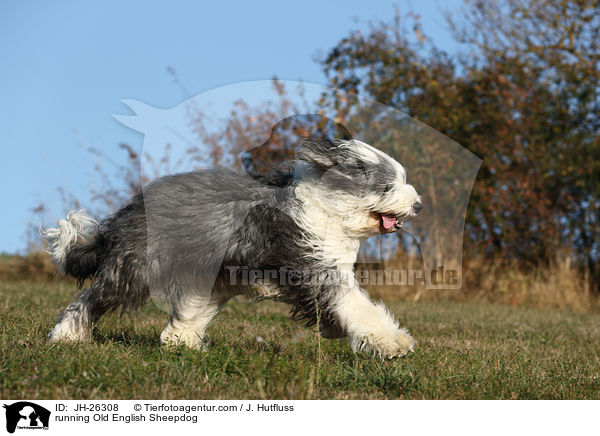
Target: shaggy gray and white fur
(189, 238)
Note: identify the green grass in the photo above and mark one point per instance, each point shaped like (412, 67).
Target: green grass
(464, 350)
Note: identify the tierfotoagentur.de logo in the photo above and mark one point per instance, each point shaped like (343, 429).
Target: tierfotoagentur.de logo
(24, 415)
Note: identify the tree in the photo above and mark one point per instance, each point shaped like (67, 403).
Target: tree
(524, 96)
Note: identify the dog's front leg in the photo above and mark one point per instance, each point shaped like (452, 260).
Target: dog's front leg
(369, 326)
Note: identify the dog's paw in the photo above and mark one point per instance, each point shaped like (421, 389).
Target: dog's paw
(396, 344)
(401, 345)
(69, 332)
(189, 338)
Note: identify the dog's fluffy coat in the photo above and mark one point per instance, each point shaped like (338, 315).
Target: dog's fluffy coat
(186, 237)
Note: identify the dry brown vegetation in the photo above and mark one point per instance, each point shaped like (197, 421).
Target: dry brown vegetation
(36, 266)
(559, 286)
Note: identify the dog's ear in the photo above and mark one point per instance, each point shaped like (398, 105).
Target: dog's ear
(323, 154)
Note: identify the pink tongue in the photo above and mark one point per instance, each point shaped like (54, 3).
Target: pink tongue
(388, 221)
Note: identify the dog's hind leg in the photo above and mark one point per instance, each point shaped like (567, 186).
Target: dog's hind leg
(75, 322)
(369, 326)
(191, 316)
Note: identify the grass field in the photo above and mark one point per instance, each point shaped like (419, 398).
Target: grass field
(464, 350)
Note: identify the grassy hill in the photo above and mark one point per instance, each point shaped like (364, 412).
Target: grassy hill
(465, 350)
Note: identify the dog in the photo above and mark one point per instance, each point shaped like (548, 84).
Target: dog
(191, 239)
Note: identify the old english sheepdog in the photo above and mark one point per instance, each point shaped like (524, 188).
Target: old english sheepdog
(193, 238)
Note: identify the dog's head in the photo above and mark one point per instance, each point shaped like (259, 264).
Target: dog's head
(362, 187)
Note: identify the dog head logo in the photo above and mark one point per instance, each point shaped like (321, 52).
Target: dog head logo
(440, 170)
(26, 415)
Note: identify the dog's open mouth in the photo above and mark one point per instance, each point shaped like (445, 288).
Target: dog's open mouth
(388, 221)
(391, 223)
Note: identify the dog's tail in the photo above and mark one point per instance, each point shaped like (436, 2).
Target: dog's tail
(75, 246)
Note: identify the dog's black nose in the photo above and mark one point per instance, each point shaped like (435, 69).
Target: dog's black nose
(417, 207)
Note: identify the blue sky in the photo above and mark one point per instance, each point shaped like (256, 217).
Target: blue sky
(65, 66)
